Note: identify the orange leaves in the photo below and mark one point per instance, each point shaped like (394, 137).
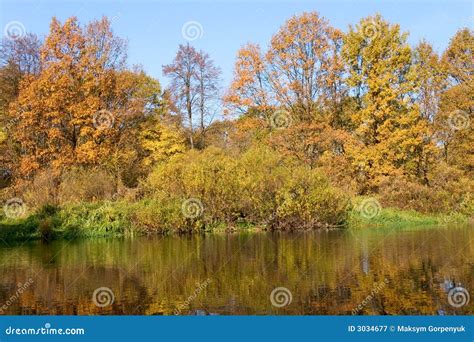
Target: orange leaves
(55, 113)
(297, 72)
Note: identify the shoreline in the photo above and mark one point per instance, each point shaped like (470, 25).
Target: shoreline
(109, 220)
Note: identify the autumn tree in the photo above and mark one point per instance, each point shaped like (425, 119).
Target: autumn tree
(81, 108)
(455, 120)
(249, 91)
(18, 58)
(301, 71)
(388, 125)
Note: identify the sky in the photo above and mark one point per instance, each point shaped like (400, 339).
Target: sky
(154, 29)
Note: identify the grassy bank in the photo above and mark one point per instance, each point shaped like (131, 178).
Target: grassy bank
(398, 217)
(118, 219)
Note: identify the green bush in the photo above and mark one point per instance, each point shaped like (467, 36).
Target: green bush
(258, 187)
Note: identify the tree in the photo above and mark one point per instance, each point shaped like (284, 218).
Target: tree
(70, 114)
(208, 77)
(18, 58)
(387, 124)
(249, 90)
(455, 119)
(300, 72)
(194, 80)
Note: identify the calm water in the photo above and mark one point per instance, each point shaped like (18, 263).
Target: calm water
(379, 271)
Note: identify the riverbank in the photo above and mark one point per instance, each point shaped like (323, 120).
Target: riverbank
(119, 219)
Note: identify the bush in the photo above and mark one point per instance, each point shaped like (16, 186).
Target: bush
(86, 185)
(258, 187)
(448, 192)
(42, 190)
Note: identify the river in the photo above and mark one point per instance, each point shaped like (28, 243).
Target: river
(402, 270)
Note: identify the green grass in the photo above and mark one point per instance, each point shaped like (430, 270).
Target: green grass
(398, 217)
(117, 219)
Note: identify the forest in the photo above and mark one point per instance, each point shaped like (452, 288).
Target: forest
(324, 127)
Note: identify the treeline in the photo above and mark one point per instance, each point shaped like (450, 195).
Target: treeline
(316, 118)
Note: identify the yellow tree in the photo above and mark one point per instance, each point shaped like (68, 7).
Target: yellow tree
(387, 123)
(455, 120)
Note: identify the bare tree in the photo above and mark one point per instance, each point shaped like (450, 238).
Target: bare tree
(194, 86)
(182, 72)
(208, 77)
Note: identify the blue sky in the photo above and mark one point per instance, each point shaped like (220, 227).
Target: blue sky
(154, 28)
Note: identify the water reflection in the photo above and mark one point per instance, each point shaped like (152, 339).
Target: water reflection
(367, 271)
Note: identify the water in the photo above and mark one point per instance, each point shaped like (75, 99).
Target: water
(365, 271)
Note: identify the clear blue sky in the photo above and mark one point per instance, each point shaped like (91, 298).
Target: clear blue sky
(153, 28)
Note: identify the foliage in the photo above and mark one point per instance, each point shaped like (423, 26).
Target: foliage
(258, 186)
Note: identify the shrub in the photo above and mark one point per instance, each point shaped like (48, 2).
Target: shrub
(86, 185)
(259, 187)
(42, 190)
(448, 191)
